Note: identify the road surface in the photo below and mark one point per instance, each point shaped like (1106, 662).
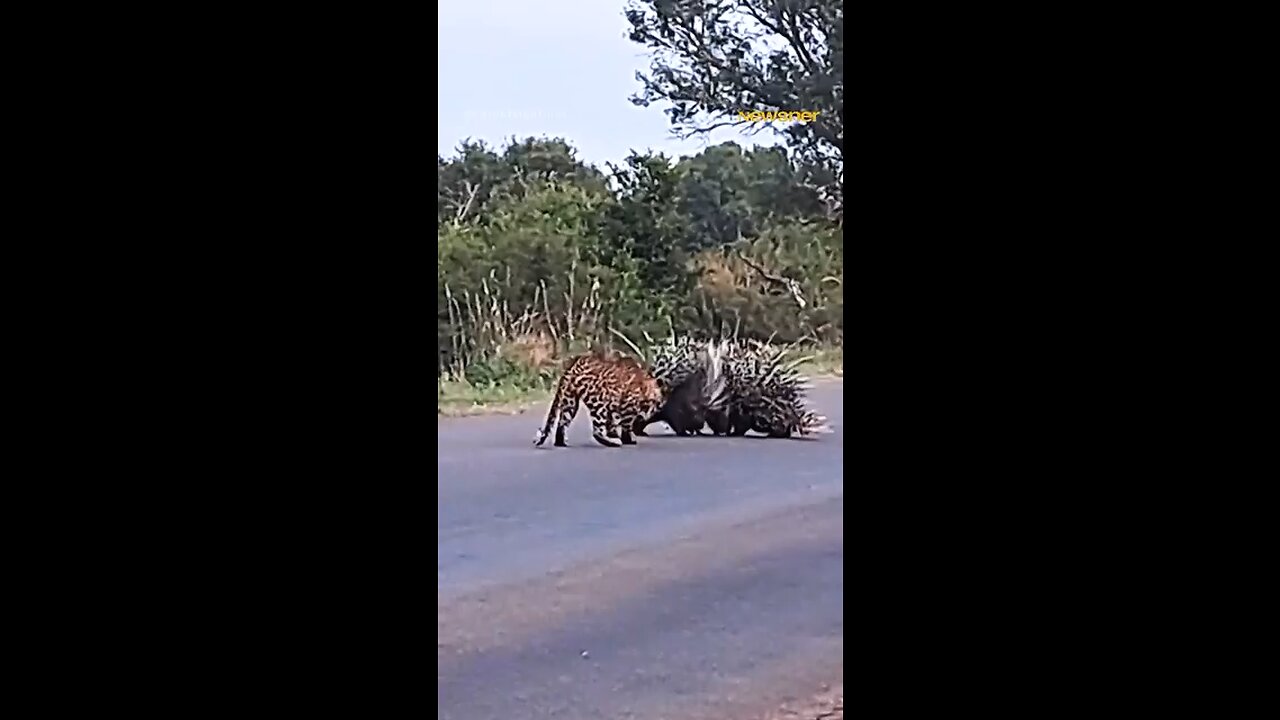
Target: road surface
(679, 578)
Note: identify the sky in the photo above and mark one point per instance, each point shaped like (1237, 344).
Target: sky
(558, 68)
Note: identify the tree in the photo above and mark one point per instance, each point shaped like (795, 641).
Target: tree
(716, 58)
(727, 194)
(646, 224)
(469, 182)
(542, 159)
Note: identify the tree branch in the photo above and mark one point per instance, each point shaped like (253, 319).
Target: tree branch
(792, 286)
(765, 273)
(796, 40)
(693, 131)
(462, 211)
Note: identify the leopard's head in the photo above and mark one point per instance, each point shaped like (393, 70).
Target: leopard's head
(650, 393)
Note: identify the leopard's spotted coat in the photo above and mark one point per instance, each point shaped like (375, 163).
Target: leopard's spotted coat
(617, 391)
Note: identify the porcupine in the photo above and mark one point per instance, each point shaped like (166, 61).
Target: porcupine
(756, 390)
(765, 394)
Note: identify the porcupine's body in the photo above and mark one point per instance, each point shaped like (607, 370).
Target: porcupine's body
(675, 361)
(765, 395)
(616, 391)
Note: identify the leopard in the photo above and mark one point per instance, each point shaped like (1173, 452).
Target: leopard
(618, 391)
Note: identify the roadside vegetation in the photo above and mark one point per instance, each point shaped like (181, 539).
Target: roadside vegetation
(541, 255)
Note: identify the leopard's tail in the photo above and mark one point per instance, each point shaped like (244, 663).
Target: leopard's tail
(557, 399)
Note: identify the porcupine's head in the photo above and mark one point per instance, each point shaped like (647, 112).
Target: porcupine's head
(697, 377)
(673, 364)
(697, 386)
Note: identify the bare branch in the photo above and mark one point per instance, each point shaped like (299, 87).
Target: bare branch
(471, 196)
(765, 273)
(695, 131)
(792, 286)
(796, 40)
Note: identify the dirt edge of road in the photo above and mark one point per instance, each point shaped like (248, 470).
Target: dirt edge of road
(827, 705)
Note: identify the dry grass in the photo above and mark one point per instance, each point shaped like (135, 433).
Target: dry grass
(486, 324)
(533, 350)
(826, 363)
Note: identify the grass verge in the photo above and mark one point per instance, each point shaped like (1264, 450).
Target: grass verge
(457, 398)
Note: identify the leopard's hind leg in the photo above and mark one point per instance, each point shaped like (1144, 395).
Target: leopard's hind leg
(600, 423)
(567, 413)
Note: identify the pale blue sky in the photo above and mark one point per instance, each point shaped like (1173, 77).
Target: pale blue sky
(555, 68)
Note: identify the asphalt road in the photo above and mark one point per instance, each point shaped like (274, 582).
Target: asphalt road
(680, 578)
